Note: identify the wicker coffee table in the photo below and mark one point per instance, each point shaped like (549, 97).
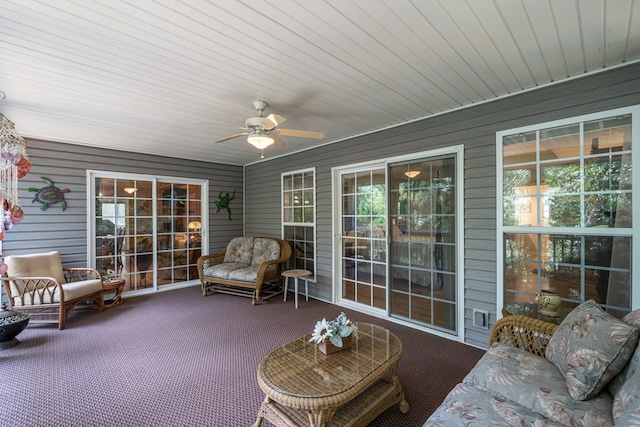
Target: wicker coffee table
(347, 388)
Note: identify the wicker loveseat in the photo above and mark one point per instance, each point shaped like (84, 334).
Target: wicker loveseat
(584, 372)
(248, 266)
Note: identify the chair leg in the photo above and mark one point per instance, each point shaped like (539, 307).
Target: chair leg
(286, 286)
(62, 316)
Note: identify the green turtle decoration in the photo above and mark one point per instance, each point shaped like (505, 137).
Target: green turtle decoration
(49, 195)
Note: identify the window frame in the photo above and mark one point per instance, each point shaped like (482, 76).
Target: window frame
(93, 175)
(293, 223)
(582, 230)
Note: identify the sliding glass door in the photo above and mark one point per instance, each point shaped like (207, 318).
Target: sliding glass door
(398, 246)
(422, 214)
(147, 230)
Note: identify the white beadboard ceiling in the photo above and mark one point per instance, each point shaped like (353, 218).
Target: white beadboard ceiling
(136, 75)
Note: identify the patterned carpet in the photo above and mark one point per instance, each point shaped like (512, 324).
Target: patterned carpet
(179, 359)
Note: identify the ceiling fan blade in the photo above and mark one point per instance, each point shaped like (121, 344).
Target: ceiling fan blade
(300, 133)
(271, 121)
(232, 136)
(277, 142)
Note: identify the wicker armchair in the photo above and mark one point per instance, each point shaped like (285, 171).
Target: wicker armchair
(38, 284)
(523, 332)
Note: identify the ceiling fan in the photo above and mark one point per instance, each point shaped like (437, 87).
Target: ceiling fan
(263, 131)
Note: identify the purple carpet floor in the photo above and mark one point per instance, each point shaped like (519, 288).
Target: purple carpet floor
(180, 359)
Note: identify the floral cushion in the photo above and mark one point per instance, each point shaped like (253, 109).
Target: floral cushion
(618, 381)
(265, 250)
(467, 405)
(239, 250)
(247, 274)
(589, 348)
(535, 384)
(223, 270)
(626, 405)
(625, 387)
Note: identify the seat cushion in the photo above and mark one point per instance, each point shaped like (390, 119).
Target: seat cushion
(265, 250)
(248, 274)
(71, 290)
(222, 271)
(240, 250)
(467, 405)
(74, 290)
(535, 383)
(590, 347)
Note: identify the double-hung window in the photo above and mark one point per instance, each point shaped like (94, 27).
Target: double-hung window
(299, 218)
(566, 208)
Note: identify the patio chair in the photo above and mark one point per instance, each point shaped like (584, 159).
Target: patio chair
(38, 284)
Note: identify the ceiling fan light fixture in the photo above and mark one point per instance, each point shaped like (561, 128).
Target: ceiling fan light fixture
(260, 140)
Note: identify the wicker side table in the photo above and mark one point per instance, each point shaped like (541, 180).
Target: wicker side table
(115, 285)
(530, 309)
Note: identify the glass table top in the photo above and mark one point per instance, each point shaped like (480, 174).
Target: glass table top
(299, 369)
(530, 309)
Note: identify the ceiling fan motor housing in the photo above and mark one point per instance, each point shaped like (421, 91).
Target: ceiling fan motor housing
(253, 122)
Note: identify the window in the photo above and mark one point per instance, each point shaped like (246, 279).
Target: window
(299, 218)
(565, 195)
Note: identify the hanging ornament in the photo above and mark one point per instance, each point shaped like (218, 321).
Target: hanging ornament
(14, 165)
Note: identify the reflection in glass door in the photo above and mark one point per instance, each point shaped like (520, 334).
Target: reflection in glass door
(147, 246)
(179, 223)
(422, 216)
(363, 236)
(124, 230)
(397, 235)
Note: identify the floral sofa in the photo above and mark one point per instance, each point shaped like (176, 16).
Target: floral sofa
(244, 267)
(584, 373)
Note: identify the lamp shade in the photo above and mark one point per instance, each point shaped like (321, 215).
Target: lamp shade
(260, 140)
(412, 174)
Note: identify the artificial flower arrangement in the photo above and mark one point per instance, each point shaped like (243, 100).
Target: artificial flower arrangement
(334, 330)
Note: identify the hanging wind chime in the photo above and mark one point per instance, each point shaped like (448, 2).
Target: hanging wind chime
(14, 165)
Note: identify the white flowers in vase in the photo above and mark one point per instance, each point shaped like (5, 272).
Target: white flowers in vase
(333, 330)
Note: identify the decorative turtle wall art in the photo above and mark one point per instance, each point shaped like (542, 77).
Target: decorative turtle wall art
(49, 195)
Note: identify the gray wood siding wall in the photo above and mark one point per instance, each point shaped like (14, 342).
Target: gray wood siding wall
(476, 128)
(66, 166)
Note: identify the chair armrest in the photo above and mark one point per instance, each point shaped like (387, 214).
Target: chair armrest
(523, 332)
(75, 274)
(262, 269)
(209, 260)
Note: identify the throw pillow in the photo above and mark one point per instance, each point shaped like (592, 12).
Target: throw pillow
(589, 348)
(624, 387)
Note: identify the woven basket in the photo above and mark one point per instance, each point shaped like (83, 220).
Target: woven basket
(327, 347)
